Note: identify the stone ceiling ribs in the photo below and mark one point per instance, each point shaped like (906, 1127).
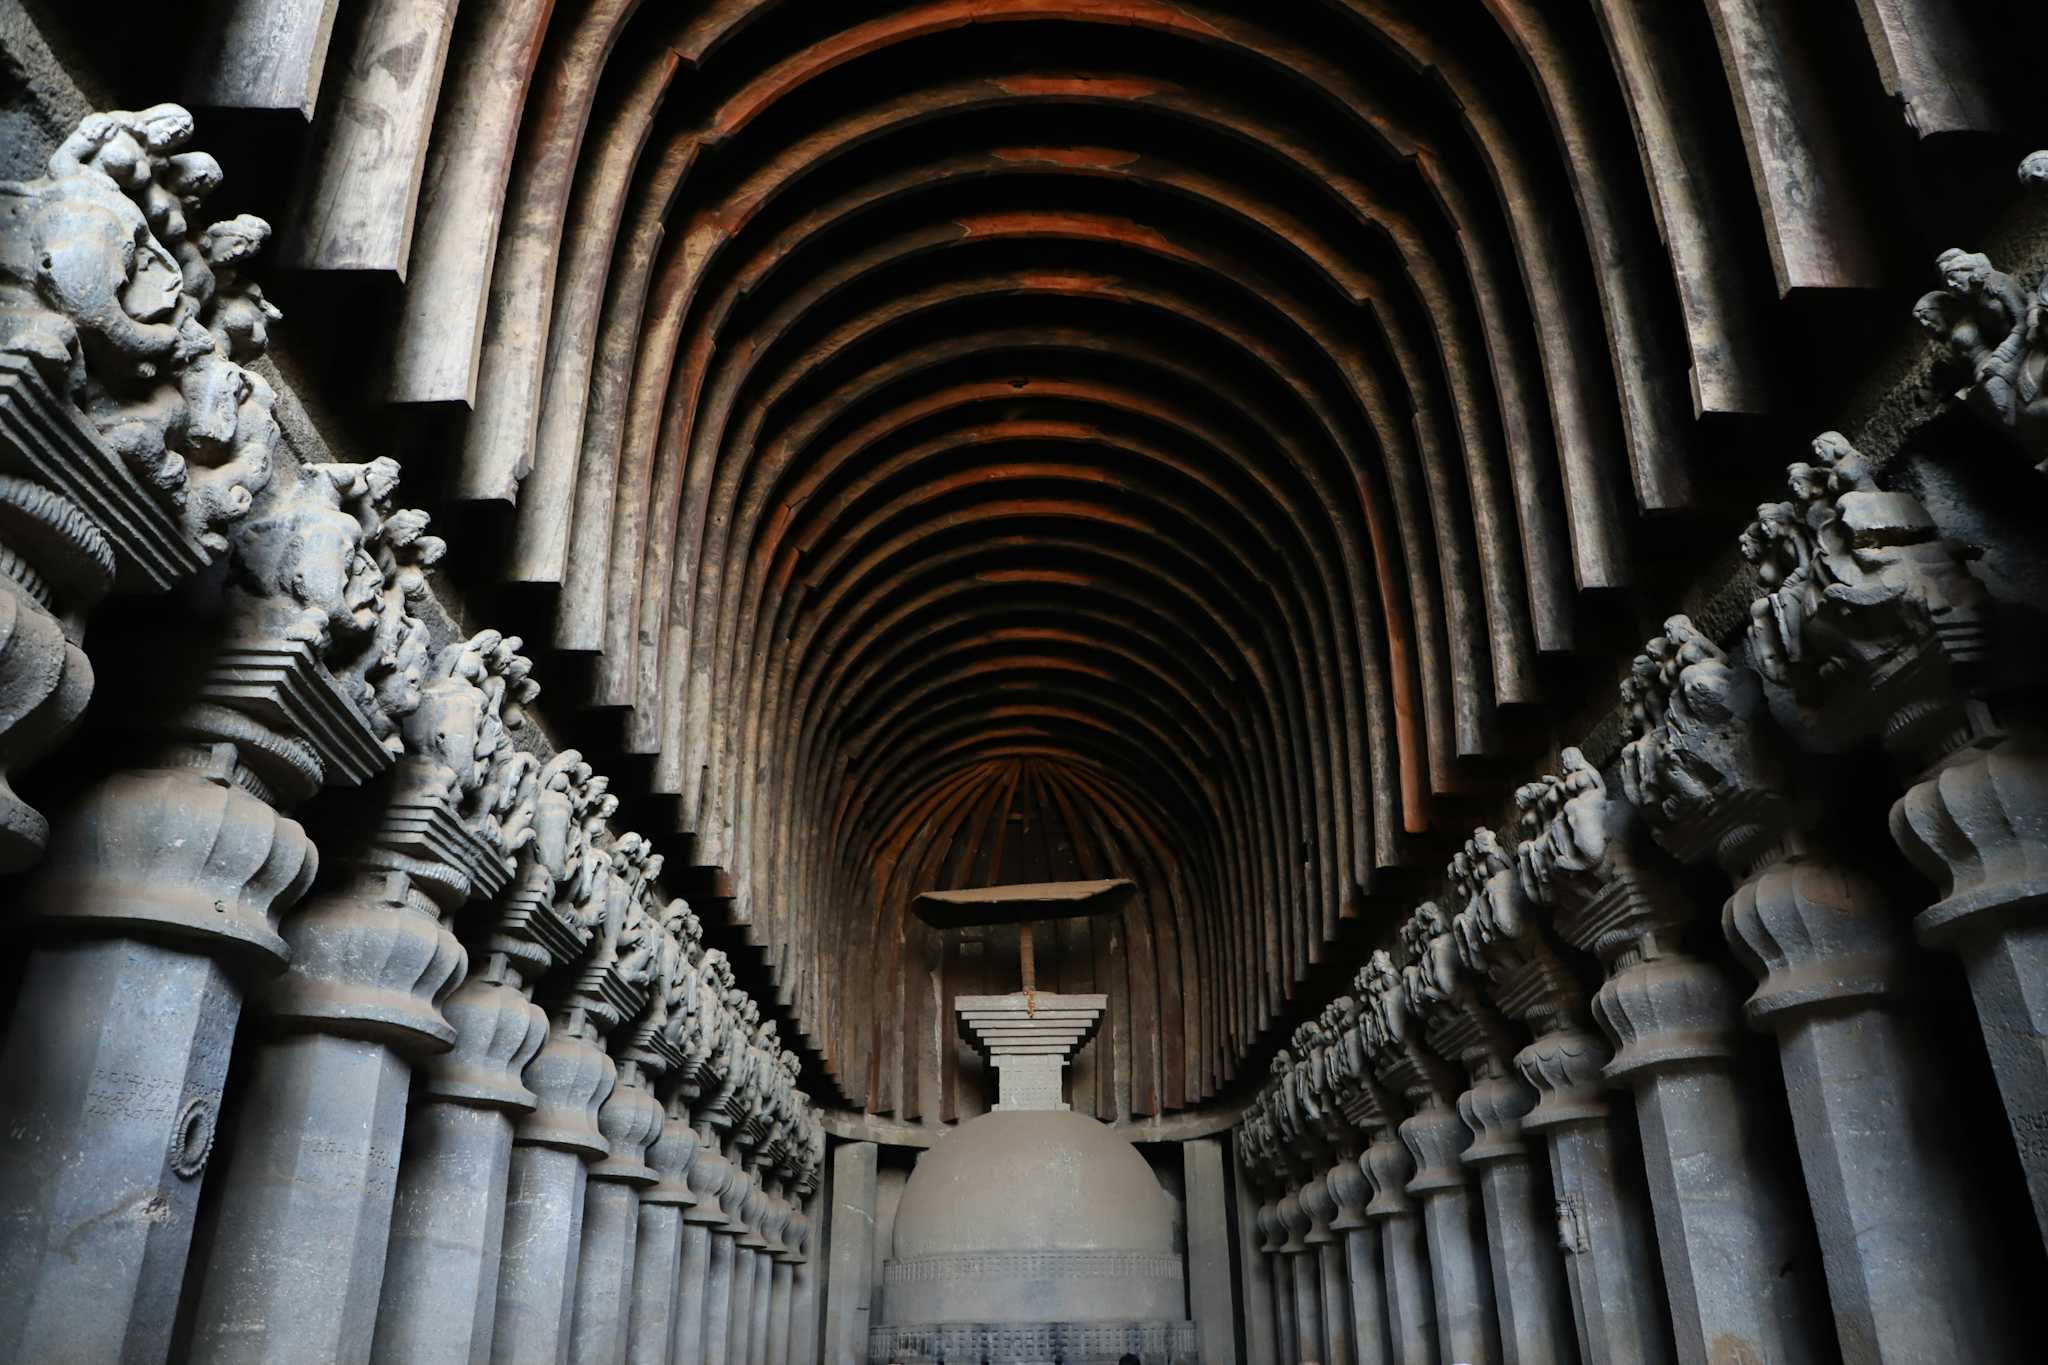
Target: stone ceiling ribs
(1009, 440)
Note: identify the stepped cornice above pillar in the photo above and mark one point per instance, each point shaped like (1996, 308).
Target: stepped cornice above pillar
(1028, 1037)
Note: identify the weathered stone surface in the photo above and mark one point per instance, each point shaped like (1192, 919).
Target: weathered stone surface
(260, 55)
(1976, 828)
(434, 355)
(967, 461)
(1208, 1237)
(359, 184)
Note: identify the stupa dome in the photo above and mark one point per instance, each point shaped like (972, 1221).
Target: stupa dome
(1032, 1233)
(1041, 1180)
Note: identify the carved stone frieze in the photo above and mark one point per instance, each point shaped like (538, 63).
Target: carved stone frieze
(1869, 614)
(1442, 981)
(1502, 937)
(1582, 852)
(131, 434)
(533, 926)
(144, 318)
(1710, 773)
(447, 824)
(318, 658)
(1990, 339)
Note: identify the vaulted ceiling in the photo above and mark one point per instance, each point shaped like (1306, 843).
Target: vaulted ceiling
(971, 439)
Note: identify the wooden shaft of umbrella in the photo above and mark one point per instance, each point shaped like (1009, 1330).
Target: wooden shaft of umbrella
(1025, 963)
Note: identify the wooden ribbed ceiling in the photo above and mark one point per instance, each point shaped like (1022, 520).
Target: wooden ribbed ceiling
(982, 440)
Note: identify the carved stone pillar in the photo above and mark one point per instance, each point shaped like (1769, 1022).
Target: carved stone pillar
(627, 1195)
(724, 1322)
(630, 1120)
(1907, 1262)
(1404, 1249)
(1975, 827)
(1334, 1281)
(1536, 1323)
(447, 1226)
(769, 1271)
(778, 1327)
(282, 703)
(791, 1338)
(132, 439)
(1376, 1063)
(1876, 622)
(297, 1262)
(1911, 1272)
(440, 1299)
(636, 964)
(692, 1274)
(1350, 1106)
(1467, 1321)
(1272, 1238)
(298, 1259)
(1601, 1211)
(718, 1292)
(746, 1259)
(710, 1177)
(1304, 1274)
(805, 1233)
(1365, 1290)
(118, 1046)
(551, 1147)
(658, 1252)
(1530, 1294)
(1733, 1268)
(1732, 1261)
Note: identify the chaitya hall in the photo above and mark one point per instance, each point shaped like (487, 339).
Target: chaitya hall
(1023, 682)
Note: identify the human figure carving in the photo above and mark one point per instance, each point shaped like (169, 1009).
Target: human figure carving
(1990, 338)
(1382, 986)
(142, 321)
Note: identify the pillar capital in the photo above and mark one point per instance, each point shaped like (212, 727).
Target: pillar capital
(629, 1120)
(131, 432)
(1973, 828)
(571, 1077)
(498, 1031)
(672, 1155)
(1818, 933)
(1568, 1067)
(178, 854)
(1666, 1011)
